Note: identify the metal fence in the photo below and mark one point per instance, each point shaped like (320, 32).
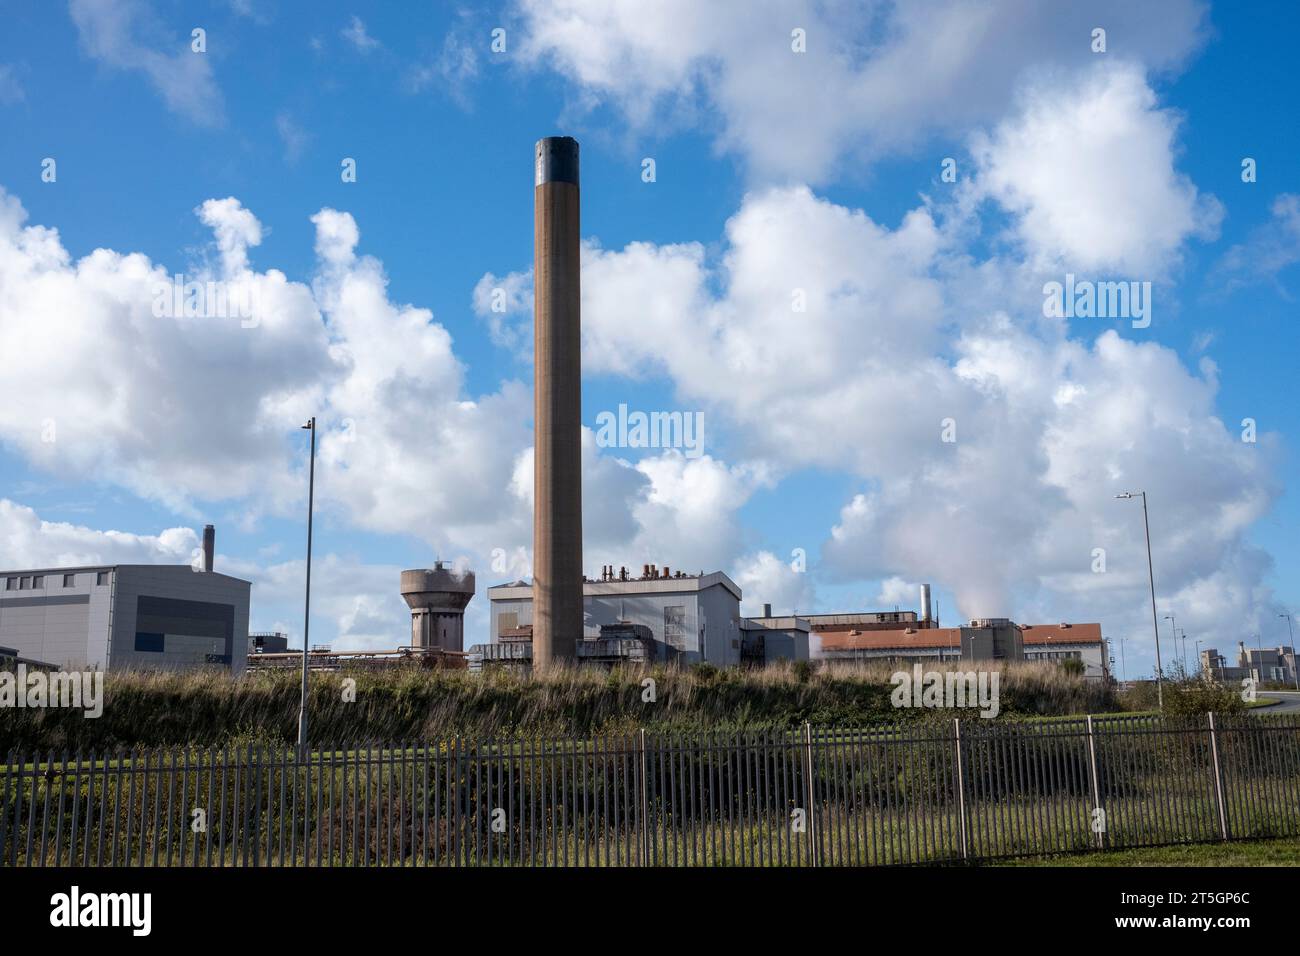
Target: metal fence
(929, 792)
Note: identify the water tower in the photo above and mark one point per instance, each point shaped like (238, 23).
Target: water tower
(437, 597)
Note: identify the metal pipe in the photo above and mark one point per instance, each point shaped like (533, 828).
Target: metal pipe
(306, 622)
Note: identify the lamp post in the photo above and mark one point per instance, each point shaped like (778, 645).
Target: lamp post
(1295, 665)
(306, 620)
(1200, 666)
(1151, 577)
(1173, 629)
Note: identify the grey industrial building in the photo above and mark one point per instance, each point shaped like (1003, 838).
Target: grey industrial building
(126, 616)
(1264, 664)
(685, 617)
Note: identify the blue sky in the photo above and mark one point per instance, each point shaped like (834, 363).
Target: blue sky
(823, 427)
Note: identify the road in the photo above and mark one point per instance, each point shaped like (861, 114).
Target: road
(1290, 702)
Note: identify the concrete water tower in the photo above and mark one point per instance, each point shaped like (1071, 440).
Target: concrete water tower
(437, 597)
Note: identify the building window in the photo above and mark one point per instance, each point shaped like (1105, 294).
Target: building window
(101, 578)
(11, 584)
(69, 580)
(38, 581)
(24, 584)
(151, 643)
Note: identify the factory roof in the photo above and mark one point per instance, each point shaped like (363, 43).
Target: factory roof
(1061, 633)
(851, 639)
(516, 590)
(775, 624)
(902, 638)
(84, 568)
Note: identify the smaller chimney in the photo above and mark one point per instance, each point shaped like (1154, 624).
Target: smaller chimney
(767, 610)
(209, 545)
(925, 603)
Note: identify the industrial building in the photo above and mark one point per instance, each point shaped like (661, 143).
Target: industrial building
(661, 615)
(1264, 664)
(437, 598)
(127, 615)
(989, 639)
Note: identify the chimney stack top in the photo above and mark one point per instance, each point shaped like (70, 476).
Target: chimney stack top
(557, 160)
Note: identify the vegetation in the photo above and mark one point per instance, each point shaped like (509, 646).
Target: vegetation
(1184, 697)
(210, 707)
(1255, 853)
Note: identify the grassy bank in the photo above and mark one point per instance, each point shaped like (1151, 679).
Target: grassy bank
(1254, 853)
(411, 705)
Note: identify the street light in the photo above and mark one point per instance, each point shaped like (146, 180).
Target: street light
(1295, 665)
(1200, 666)
(306, 620)
(1173, 628)
(1151, 577)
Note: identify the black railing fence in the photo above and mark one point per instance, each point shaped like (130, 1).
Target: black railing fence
(928, 792)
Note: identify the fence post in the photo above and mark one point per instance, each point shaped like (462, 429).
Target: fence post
(808, 793)
(1218, 779)
(1096, 788)
(961, 787)
(644, 802)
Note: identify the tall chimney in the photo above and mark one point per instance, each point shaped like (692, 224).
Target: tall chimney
(209, 546)
(925, 603)
(557, 404)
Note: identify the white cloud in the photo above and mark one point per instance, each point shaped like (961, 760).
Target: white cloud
(766, 579)
(11, 89)
(876, 78)
(124, 34)
(896, 592)
(292, 135)
(1088, 170)
(1270, 248)
(456, 66)
(355, 33)
(27, 541)
(505, 303)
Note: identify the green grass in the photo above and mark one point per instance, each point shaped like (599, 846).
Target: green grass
(1253, 853)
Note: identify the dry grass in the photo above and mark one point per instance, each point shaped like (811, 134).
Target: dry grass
(207, 707)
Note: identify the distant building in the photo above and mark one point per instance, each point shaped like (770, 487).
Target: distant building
(1265, 664)
(687, 617)
(268, 642)
(990, 639)
(774, 638)
(125, 616)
